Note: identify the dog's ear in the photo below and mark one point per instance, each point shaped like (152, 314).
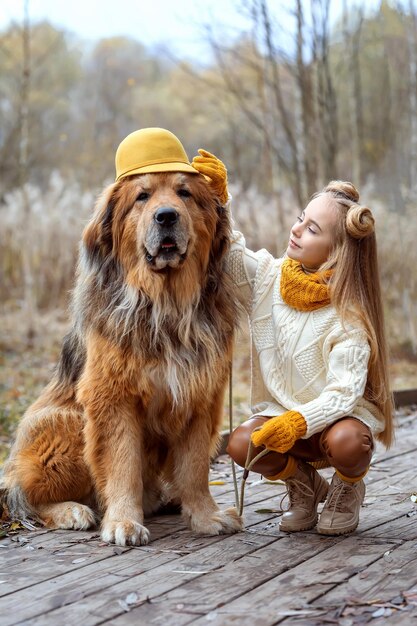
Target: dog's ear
(97, 236)
(219, 217)
(221, 239)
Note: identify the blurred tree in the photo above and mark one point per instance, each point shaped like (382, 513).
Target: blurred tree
(54, 71)
(352, 30)
(23, 170)
(327, 98)
(108, 107)
(411, 26)
(287, 98)
(308, 95)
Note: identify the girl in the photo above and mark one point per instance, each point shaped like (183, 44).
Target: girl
(320, 390)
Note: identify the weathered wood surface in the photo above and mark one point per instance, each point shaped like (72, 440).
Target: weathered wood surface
(259, 577)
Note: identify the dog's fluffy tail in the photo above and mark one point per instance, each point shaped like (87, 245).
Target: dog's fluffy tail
(14, 503)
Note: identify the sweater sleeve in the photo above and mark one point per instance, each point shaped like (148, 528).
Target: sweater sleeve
(346, 378)
(242, 265)
(247, 268)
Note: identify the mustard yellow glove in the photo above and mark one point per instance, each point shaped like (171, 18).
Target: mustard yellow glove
(210, 166)
(280, 433)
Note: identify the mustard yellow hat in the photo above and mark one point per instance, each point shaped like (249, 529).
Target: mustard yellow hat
(151, 150)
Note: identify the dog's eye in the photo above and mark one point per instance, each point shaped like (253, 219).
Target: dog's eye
(142, 196)
(184, 193)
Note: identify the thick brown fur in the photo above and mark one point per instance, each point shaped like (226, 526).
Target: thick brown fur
(132, 414)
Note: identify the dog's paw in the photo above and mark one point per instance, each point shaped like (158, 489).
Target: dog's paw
(68, 515)
(124, 533)
(232, 521)
(218, 523)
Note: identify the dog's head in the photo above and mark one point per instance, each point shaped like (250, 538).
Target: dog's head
(169, 218)
(159, 227)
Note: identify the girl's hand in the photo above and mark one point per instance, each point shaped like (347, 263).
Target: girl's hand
(280, 433)
(210, 166)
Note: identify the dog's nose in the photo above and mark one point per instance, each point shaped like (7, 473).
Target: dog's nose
(165, 216)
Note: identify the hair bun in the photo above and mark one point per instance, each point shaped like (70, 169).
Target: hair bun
(360, 222)
(343, 189)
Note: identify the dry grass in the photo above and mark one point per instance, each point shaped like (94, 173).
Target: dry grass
(25, 366)
(40, 248)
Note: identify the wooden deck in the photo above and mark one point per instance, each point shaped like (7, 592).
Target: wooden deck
(259, 577)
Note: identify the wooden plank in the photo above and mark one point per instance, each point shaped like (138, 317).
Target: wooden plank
(392, 574)
(23, 547)
(381, 520)
(60, 558)
(49, 565)
(65, 552)
(87, 593)
(257, 588)
(388, 511)
(173, 580)
(62, 577)
(45, 556)
(405, 397)
(397, 618)
(406, 445)
(347, 615)
(40, 567)
(62, 551)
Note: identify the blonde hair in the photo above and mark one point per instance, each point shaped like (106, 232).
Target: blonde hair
(355, 289)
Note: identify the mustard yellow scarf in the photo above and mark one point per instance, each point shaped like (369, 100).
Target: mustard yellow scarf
(304, 292)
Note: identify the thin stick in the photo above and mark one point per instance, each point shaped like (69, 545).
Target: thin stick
(231, 430)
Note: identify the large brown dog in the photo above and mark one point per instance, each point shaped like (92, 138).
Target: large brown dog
(132, 414)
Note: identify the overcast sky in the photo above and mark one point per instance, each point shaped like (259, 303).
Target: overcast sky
(176, 24)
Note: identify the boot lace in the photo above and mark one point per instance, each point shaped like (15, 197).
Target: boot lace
(298, 493)
(336, 501)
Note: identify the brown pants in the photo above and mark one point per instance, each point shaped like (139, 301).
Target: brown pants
(346, 445)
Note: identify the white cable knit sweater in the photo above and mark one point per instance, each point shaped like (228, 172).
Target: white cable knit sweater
(301, 361)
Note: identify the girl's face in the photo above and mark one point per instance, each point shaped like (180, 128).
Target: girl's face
(312, 235)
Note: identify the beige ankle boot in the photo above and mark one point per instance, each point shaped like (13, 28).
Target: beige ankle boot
(340, 514)
(305, 490)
